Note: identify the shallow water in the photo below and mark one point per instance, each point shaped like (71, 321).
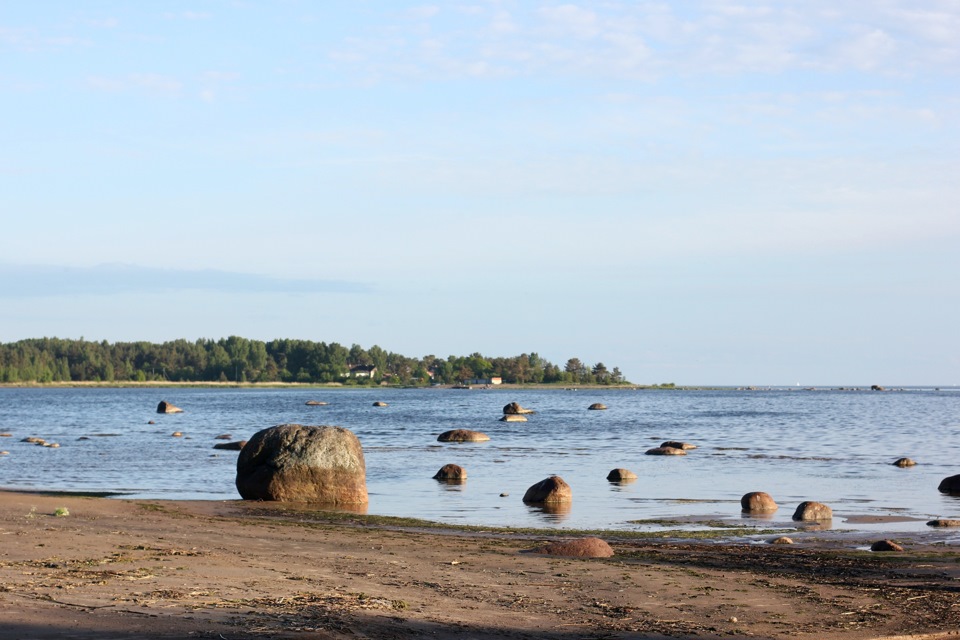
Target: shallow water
(831, 446)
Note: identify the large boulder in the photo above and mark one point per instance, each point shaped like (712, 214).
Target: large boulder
(514, 409)
(950, 485)
(552, 489)
(166, 407)
(810, 510)
(298, 463)
(462, 435)
(758, 502)
(580, 548)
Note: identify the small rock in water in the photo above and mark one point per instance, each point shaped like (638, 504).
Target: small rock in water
(676, 444)
(904, 462)
(665, 451)
(176, 434)
(621, 475)
(810, 510)
(944, 522)
(782, 540)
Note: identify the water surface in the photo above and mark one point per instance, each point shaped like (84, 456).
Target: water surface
(831, 446)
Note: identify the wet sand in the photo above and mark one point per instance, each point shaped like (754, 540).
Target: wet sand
(158, 569)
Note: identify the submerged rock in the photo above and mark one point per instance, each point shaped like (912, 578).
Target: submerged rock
(597, 406)
(380, 404)
(315, 403)
(462, 435)
(237, 445)
(665, 451)
(904, 462)
(675, 444)
(782, 540)
(513, 417)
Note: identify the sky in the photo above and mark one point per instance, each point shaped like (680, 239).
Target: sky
(699, 192)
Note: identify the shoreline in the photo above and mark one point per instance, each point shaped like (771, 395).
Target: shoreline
(235, 569)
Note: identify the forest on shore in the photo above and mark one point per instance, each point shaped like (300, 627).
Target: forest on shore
(241, 360)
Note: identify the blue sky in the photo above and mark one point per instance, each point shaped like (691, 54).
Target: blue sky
(710, 192)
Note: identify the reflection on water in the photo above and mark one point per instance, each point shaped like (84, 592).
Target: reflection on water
(795, 445)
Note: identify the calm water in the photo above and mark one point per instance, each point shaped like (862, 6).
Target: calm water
(831, 446)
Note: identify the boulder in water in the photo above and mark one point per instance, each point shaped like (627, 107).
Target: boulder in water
(676, 444)
(298, 463)
(810, 510)
(552, 489)
(758, 502)
(515, 409)
(462, 435)
(950, 485)
(451, 473)
(621, 475)
(166, 407)
(665, 451)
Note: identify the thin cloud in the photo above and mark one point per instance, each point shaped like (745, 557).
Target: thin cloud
(34, 281)
(648, 41)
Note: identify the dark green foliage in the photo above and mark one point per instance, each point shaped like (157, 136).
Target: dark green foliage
(236, 359)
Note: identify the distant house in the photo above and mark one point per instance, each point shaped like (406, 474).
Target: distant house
(494, 380)
(362, 371)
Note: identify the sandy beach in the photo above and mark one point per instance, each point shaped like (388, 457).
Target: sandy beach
(153, 569)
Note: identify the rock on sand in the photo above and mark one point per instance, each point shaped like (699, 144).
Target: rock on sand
(580, 548)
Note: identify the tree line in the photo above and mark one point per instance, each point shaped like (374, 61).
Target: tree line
(237, 359)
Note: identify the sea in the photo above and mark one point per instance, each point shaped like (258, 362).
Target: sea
(834, 446)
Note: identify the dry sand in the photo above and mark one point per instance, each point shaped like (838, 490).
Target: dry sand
(154, 569)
